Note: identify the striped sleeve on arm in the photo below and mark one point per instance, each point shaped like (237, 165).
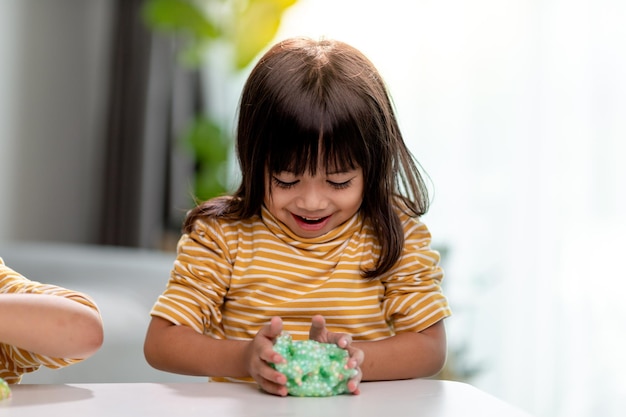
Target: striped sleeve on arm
(414, 300)
(198, 281)
(15, 361)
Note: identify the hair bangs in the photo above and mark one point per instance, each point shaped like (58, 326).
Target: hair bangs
(312, 137)
(293, 147)
(300, 151)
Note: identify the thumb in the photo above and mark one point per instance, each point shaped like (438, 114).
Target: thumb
(318, 327)
(275, 328)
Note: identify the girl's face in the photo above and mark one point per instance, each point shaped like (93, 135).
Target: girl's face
(314, 205)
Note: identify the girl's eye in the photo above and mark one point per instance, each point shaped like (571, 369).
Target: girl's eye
(340, 185)
(283, 184)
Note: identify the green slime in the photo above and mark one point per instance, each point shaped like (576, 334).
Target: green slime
(313, 369)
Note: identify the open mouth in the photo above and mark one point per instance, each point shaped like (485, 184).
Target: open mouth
(312, 220)
(311, 224)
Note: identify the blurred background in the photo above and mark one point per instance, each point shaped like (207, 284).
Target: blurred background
(515, 109)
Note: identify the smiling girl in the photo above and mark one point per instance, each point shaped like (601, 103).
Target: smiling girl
(322, 239)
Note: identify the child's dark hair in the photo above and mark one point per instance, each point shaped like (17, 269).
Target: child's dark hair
(306, 98)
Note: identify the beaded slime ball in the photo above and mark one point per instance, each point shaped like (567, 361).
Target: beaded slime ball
(5, 391)
(313, 369)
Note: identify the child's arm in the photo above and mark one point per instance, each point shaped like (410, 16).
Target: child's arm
(182, 350)
(403, 356)
(50, 325)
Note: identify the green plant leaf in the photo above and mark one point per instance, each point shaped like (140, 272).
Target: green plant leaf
(179, 15)
(211, 148)
(209, 182)
(255, 26)
(208, 142)
(281, 4)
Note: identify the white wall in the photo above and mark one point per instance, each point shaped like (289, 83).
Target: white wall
(52, 113)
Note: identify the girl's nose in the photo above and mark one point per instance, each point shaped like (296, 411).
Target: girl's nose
(312, 199)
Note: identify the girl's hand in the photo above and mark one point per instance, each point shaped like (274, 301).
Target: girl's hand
(320, 333)
(260, 352)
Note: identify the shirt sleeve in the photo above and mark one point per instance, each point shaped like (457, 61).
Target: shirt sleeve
(15, 361)
(198, 281)
(413, 298)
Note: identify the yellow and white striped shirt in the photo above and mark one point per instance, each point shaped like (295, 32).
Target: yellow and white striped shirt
(14, 362)
(231, 277)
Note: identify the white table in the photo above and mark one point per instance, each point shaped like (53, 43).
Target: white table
(420, 397)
